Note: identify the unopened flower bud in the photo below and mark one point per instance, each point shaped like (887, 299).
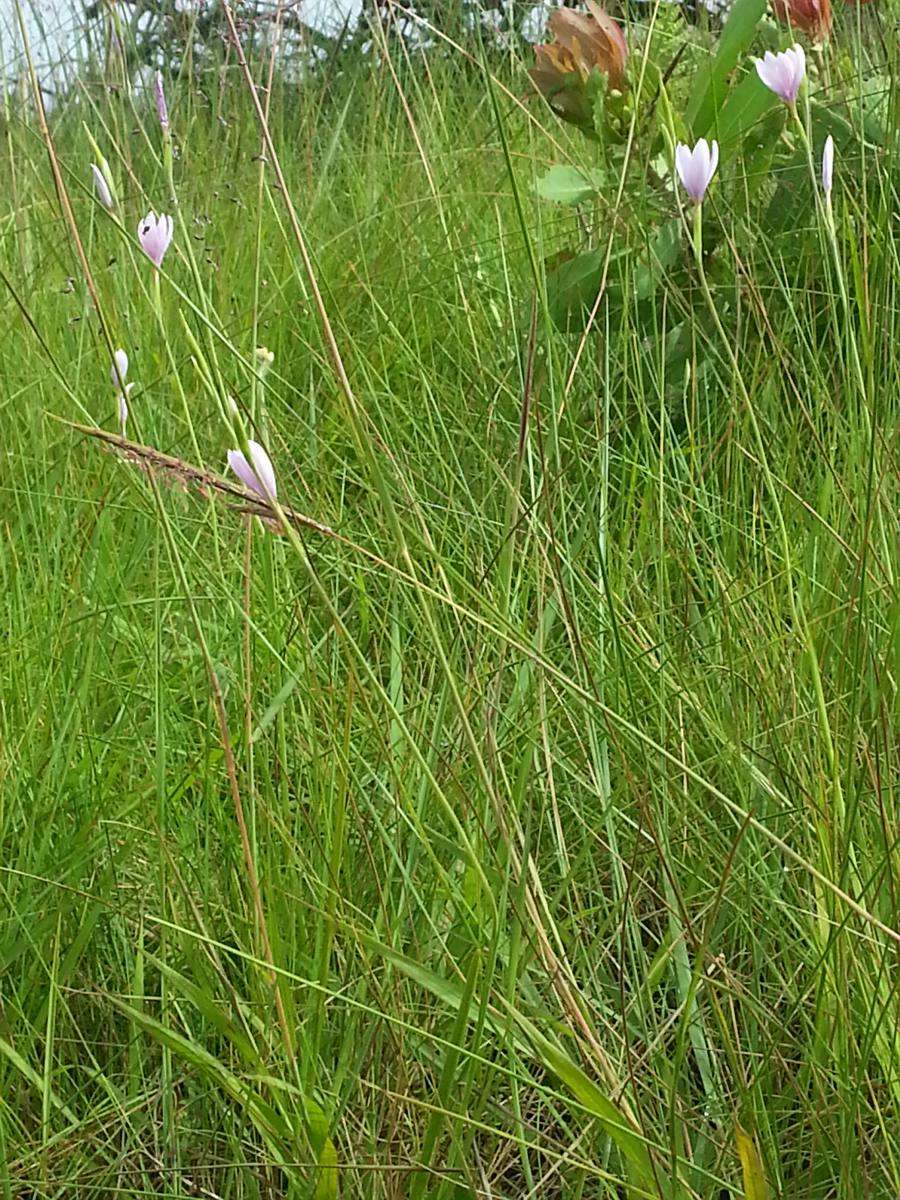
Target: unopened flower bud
(102, 187)
(162, 109)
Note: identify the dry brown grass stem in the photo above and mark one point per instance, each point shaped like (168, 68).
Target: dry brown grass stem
(204, 481)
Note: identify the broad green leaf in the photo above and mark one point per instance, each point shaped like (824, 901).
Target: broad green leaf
(659, 258)
(566, 185)
(450, 991)
(210, 1010)
(742, 112)
(572, 286)
(711, 82)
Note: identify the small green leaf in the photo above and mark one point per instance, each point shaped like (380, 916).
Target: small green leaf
(586, 1094)
(590, 1096)
(566, 185)
(210, 1010)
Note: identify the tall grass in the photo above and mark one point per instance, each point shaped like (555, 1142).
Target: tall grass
(496, 841)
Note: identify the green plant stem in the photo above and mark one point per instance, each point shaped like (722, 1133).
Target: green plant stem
(824, 206)
(798, 615)
(173, 365)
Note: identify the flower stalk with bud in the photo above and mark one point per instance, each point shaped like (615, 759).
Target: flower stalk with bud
(828, 169)
(695, 169)
(101, 175)
(162, 112)
(118, 372)
(102, 185)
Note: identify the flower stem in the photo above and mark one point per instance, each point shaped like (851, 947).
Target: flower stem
(825, 206)
(173, 365)
(798, 615)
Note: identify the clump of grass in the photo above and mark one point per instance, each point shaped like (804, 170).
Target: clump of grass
(478, 836)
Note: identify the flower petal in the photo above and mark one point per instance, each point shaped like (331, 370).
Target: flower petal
(713, 162)
(101, 187)
(238, 463)
(828, 165)
(263, 469)
(701, 158)
(119, 368)
(683, 162)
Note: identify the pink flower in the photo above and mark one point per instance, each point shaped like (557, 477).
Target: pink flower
(783, 73)
(101, 187)
(260, 477)
(155, 236)
(696, 167)
(828, 166)
(162, 110)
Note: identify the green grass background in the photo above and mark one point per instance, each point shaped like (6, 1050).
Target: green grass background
(573, 884)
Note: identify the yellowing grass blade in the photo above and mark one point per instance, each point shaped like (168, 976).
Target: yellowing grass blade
(751, 1164)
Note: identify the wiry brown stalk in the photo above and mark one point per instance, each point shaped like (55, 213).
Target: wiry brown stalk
(199, 477)
(259, 909)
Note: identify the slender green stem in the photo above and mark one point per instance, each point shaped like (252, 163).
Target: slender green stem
(173, 365)
(797, 612)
